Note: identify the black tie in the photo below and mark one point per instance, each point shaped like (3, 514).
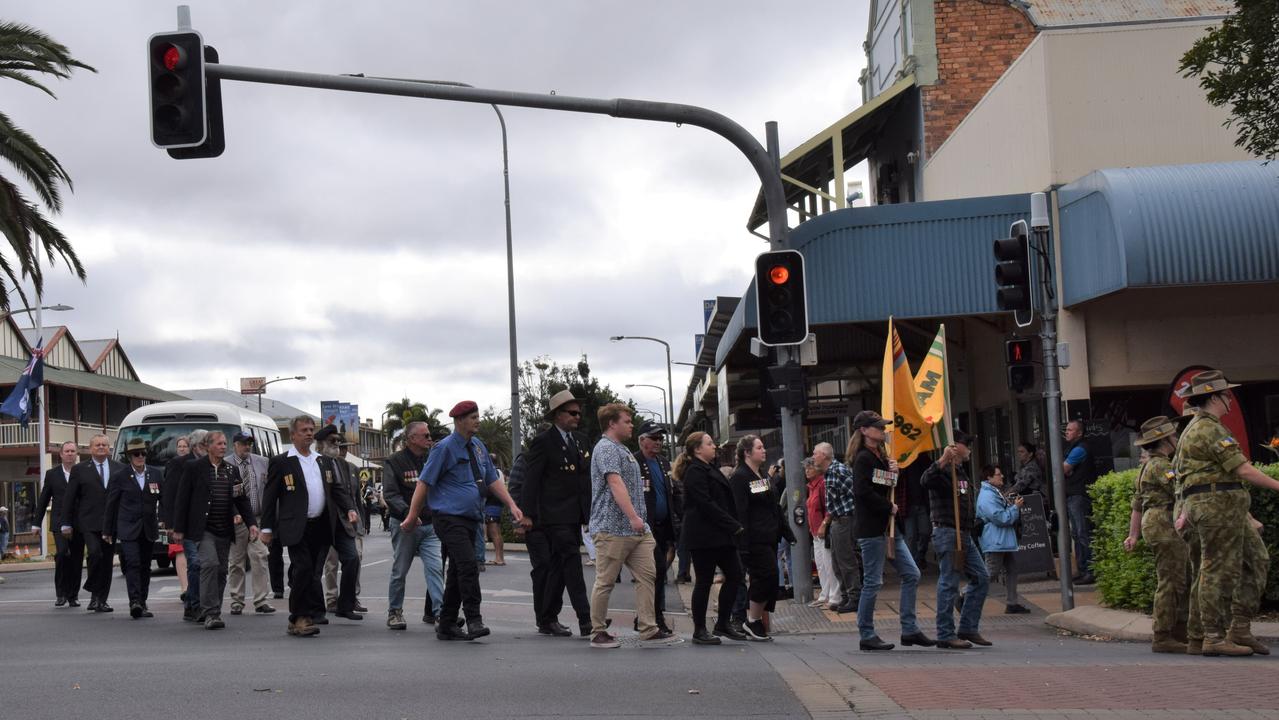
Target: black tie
(102, 470)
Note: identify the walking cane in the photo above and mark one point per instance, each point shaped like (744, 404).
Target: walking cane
(954, 496)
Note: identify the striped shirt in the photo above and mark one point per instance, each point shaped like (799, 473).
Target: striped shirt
(220, 509)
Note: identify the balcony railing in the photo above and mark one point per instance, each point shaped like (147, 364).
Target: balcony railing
(60, 431)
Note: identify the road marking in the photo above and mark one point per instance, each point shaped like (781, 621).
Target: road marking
(376, 562)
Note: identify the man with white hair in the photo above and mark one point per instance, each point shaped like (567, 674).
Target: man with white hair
(839, 519)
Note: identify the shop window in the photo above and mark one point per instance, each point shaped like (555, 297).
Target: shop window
(90, 407)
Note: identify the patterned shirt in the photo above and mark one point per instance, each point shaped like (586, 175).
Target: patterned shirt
(1206, 453)
(1154, 486)
(839, 490)
(612, 458)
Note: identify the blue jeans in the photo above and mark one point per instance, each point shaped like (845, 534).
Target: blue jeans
(1079, 512)
(785, 565)
(948, 583)
(423, 544)
(192, 551)
(874, 553)
(4, 543)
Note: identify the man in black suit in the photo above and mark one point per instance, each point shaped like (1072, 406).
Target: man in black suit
(70, 551)
(340, 597)
(132, 496)
(211, 502)
(85, 510)
(664, 500)
(300, 486)
(555, 498)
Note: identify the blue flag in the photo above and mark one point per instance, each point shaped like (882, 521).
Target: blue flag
(19, 402)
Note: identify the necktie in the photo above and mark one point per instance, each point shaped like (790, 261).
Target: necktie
(102, 471)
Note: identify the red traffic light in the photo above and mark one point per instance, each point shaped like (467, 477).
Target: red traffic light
(1018, 351)
(173, 58)
(779, 274)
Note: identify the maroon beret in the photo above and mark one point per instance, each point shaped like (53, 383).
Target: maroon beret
(464, 408)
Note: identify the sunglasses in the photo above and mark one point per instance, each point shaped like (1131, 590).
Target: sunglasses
(574, 413)
(137, 453)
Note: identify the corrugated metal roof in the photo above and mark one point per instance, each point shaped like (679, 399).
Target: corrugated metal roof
(11, 369)
(1170, 225)
(1057, 13)
(926, 259)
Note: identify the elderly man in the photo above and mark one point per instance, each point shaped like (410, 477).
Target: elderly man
(197, 441)
(70, 551)
(85, 511)
(132, 496)
(555, 498)
(454, 473)
(340, 599)
(839, 526)
(664, 502)
(252, 470)
(399, 480)
(1080, 474)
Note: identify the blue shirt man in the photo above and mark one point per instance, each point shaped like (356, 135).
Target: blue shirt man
(660, 504)
(453, 472)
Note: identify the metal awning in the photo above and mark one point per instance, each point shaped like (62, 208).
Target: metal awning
(11, 369)
(825, 156)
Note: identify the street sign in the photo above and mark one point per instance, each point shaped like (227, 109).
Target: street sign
(252, 386)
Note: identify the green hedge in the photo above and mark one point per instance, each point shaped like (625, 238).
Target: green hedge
(1128, 580)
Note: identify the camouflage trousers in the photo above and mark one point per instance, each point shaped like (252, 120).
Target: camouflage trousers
(1172, 563)
(1229, 560)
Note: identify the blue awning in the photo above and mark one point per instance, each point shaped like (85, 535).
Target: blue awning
(1175, 225)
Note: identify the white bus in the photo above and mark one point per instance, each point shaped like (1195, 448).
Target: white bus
(161, 424)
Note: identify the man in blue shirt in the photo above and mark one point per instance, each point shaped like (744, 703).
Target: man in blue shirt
(664, 501)
(1080, 475)
(455, 471)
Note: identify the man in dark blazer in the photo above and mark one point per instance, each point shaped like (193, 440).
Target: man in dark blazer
(664, 500)
(300, 486)
(211, 502)
(131, 521)
(340, 597)
(85, 510)
(70, 551)
(555, 498)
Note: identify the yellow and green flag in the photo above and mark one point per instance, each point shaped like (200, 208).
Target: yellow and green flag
(911, 433)
(932, 390)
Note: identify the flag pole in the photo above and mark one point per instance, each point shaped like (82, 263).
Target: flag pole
(41, 439)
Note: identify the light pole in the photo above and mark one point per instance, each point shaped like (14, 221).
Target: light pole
(510, 262)
(665, 405)
(670, 386)
(268, 382)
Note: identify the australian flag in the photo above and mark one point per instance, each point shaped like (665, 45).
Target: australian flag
(20, 401)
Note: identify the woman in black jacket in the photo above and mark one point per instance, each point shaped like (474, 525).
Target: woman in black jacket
(760, 514)
(710, 532)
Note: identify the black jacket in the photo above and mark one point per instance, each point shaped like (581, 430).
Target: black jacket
(709, 519)
(759, 511)
(557, 480)
(131, 511)
(284, 501)
(169, 489)
(941, 507)
(873, 503)
(399, 479)
(346, 476)
(55, 491)
(191, 510)
(674, 494)
(1083, 475)
(85, 506)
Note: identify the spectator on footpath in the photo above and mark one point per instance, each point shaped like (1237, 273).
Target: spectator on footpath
(133, 495)
(621, 533)
(210, 504)
(757, 511)
(399, 480)
(663, 503)
(999, 534)
(493, 525)
(820, 522)
(452, 475)
(947, 483)
(341, 598)
(251, 468)
(69, 551)
(843, 544)
(711, 532)
(4, 530)
(186, 560)
(85, 511)
(874, 475)
(1029, 477)
(1081, 473)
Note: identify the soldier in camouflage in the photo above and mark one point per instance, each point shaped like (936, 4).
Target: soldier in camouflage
(1211, 469)
(1152, 519)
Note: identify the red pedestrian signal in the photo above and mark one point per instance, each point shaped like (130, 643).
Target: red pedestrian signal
(1021, 368)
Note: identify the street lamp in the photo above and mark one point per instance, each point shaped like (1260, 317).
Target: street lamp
(655, 387)
(696, 365)
(670, 386)
(268, 382)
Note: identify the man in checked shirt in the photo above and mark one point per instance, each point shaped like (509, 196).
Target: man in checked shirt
(839, 524)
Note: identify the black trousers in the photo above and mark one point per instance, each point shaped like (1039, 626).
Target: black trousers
(462, 580)
(705, 560)
(762, 567)
(98, 583)
(555, 554)
(275, 564)
(135, 559)
(664, 537)
(349, 563)
(67, 564)
(306, 569)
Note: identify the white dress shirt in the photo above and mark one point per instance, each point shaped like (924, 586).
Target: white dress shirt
(314, 483)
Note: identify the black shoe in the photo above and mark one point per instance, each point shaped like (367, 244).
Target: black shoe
(146, 613)
(954, 644)
(264, 608)
(1016, 609)
(873, 643)
(93, 605)
(450, 631)
(476, 630)
(190, 615)
(555, 629)
(320, 620)
(360, 608)
(701, 637)
(349, 615)
(917, 638)
(103, 607)
(755, 630)
(845, 607)
(60, 601)
(661, 625)
(135, 610)
(730, 632)
(1086, 579)
(73, 602)
(428, 618)
(976, 639)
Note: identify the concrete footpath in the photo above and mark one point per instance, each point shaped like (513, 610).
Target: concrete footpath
(1111, 624)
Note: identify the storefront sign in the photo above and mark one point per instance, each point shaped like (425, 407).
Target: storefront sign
(1034, 548)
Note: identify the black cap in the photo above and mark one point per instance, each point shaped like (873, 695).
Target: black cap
(869, 418)
(325, 433)
(242, 436)
(963, 438)
(650, 428)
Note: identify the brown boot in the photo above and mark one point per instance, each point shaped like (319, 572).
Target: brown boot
(1242, 635)
(1163, 643)
(1218, 645)
(1195, 646)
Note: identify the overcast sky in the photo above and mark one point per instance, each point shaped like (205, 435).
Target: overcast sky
(358, 239)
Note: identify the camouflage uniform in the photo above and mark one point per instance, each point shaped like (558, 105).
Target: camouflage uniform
(1207, 455)
(1154, 499)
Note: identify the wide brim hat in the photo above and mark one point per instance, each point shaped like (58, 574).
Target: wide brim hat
(1205, 383)
(135, 444)
(1156, 429)
(559, 400)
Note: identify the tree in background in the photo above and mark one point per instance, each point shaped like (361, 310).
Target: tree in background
(542, 377)
(404, 411)
(25, 51)
(1237, 63)
(495, 433)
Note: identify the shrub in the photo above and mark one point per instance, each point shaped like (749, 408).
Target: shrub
(1128, 580)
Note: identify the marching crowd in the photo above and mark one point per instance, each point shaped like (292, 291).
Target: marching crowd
(226, 508)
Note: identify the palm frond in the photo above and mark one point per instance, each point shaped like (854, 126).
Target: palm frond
(36, 165)
(24, 78)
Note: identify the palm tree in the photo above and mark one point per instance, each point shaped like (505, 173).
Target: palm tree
(23, 52)
(495, 433)
(404, 411)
